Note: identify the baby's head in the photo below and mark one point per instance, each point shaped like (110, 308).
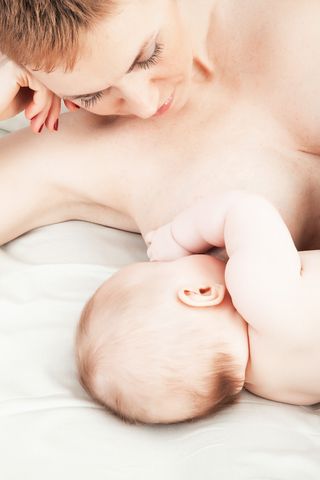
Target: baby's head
(162, 342)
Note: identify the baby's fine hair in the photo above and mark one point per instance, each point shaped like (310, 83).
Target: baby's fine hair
(45, 33)
(128, 368)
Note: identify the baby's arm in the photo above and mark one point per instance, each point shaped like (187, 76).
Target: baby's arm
(263, 271)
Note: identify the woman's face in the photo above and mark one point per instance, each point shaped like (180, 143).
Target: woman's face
(137, 62)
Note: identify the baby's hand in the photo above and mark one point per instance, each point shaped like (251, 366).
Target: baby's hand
(42, 107)
(162, 246)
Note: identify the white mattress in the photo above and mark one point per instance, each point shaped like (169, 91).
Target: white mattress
(50, 429)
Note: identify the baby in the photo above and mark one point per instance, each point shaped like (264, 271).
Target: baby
(165, 342)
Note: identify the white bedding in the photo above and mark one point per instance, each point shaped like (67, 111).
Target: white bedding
(50, 429)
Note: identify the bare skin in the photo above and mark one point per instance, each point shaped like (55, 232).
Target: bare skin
(272, 285)
(253, 123)
(150, 337)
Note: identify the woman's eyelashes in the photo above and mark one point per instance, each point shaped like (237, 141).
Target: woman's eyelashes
(144, 64)
(91, 101)
(153, 60)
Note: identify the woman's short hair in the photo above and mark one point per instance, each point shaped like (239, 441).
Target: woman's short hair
(45, 33)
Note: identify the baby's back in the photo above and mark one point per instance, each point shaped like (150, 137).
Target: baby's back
(285, 357)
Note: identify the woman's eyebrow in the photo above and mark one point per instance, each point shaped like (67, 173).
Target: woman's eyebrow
(86, 95)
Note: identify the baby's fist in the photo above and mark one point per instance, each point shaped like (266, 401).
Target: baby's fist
(162, 246)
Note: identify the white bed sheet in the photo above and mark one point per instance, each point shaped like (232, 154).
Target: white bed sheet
(50, 429)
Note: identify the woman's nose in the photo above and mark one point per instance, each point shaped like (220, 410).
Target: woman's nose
(141, 96)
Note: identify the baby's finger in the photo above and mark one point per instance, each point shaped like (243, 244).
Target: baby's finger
(149, 237)
(159, 255)
(163, 246)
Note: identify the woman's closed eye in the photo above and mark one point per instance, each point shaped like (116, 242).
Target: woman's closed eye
(152, 60)
(89, 102)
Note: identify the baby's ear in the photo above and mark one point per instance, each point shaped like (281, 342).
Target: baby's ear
(203, 296)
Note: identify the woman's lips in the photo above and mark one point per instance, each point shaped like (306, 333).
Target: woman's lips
(165, 107)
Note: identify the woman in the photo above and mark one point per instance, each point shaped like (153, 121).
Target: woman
(189, 88)
(139, 78)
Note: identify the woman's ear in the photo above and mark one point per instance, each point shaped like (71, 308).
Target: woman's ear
(203, 296)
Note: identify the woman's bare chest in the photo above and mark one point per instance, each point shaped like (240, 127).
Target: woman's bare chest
(238, 149)
(268, 53)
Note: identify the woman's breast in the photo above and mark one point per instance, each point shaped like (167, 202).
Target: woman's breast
(208, 155)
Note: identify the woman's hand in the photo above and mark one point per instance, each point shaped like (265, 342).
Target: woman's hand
(21, 91)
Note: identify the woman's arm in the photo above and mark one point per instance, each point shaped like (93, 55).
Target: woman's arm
(28, 199)
(77, 174)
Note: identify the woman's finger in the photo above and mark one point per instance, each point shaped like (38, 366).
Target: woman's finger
(37, 123)
(52, 120)
(71, 106)
(41, 100)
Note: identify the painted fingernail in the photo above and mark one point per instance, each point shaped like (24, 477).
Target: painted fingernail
(40, 129)
(56, 125)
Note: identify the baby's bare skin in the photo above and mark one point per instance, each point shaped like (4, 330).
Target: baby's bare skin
(254, 124)
(272, 286)
(261, 308)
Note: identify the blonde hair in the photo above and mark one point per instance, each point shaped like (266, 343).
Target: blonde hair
(46, 33)
(126, 368)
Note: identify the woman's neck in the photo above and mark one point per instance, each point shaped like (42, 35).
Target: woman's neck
(198, 17)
